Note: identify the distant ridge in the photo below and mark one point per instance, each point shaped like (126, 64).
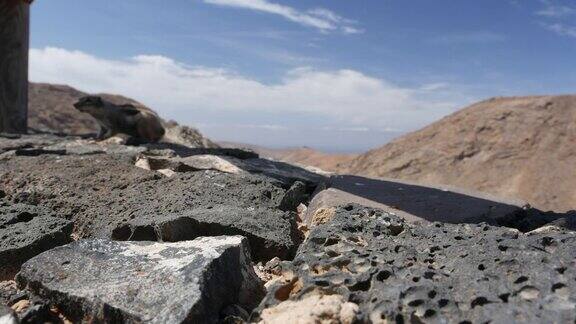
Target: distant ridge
(299, 155)
(517, 147)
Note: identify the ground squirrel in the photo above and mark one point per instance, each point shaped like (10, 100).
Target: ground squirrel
(138, 122)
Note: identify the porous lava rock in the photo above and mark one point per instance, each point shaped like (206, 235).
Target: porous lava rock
(26, 231)
(113, 282)
(107, 196)
(465, 273)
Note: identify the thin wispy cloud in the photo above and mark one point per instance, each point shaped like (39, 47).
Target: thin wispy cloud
(562, 29)
(554, 17)
(556, 11)
(477, 37)
(320, 18)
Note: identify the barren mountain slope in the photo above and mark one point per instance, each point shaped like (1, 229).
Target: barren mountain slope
(51, 109)
(299, 155)
(521, 147)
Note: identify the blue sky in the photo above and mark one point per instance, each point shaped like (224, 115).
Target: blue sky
(338, 75)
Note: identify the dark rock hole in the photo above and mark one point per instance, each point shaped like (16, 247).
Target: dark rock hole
(416, 303)
(504, 297)
(383, 275)
(479, 301)
(331, 241)
(429, 275)
(521, 279)
(429, 313)
(561, 270)
(557, 286)
(361, 286)
(547, 241)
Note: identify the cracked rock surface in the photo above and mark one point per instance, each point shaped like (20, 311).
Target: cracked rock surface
(107, 281)
(437, 273)
(271, 233)
(26, 231)
(107, 196)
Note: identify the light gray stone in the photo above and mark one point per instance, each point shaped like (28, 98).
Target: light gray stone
(108, 281)
(7, 316)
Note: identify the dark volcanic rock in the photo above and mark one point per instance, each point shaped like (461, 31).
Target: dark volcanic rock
(8, 292)
(107, 193)
(26, 231)
(395, 271)
(109, 281)
(281, 171)
(208, 203)
(271, 233)
(69, 185)
(19, 142)
(296, 195)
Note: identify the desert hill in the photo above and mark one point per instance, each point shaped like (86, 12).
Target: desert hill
(299, 155)
(520, 147)
(51, 109)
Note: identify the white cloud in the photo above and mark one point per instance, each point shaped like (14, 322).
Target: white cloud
(435, 86)
(553, 11)
(476, 37)
(319, 18)
(344, 97)
(562, 29)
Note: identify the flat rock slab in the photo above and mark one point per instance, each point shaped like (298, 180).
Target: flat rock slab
(134, 282)
(26, 231)
(69, 185)
(281, 171)
(438, 273)
(18, 142)
(271, 233)
(191, 163)
(113, 193)
(413, 202)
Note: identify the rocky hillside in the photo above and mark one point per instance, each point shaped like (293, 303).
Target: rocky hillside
(51, 110)
(523, 147)
(301, 156)
(164, 233)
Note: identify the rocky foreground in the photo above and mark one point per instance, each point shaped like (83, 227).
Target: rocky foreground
(168, 233)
